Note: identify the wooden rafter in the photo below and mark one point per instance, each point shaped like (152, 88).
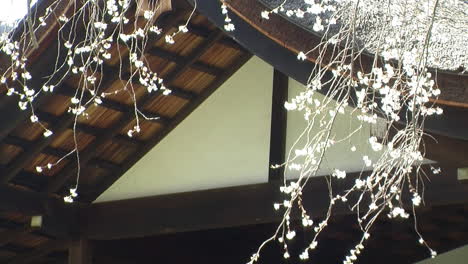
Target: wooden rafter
(10, 235)
(61, 124)
(199, 66)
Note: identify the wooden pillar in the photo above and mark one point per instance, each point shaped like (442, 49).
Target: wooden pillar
(278, 126)
(80, 252)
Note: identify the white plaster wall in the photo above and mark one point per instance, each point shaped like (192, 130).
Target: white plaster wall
(456, 256)
(340, 155)
(224, 142)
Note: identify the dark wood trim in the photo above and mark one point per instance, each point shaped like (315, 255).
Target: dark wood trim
(107, 182)
(233, 206)
(41, 251)
(279, 119)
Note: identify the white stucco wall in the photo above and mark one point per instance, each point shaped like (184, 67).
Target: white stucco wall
(224, 142)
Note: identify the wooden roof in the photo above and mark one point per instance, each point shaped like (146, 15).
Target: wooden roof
(193, 68)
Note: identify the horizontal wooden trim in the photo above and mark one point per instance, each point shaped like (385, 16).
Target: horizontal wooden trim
(230, 207)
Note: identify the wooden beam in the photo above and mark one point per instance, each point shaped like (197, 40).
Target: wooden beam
(8, 236)
(175, 91)
(41, 251)
(57, 183)
(37, 181)
(39, 69)
(27, 156)
(181, 115)
(80, 252)
(279, 118)
(212, 38)
(204, 33)
(233, 206)
(111, 104)
(57, 216)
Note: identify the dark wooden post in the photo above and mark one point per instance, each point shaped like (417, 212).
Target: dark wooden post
(80, 252)
(278, 126)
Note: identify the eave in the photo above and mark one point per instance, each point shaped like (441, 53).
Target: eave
(277, 41)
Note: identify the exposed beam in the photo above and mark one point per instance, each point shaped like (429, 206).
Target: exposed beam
(57, 216)
(93, 130)
(27, 156)
(8, 236)
(112, 104)
(25, 177)
(30, 180)
(175, 91)
(204, 33)
(24, 144)
(279, 118)
(41, 251)
(192, 58)
(57, 183)
(107, 182)
(39, 69)
(233, 206)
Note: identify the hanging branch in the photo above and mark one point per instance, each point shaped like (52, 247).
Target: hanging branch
(83, 53)
(396, 88)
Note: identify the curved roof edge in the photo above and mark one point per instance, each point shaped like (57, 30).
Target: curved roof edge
(277, 43)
